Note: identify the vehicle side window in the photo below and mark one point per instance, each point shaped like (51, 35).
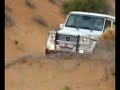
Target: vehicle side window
(113, 24)
(108, 24)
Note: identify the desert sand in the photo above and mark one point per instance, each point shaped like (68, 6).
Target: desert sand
(27, 68)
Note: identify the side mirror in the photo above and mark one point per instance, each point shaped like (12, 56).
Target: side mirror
(61, 26)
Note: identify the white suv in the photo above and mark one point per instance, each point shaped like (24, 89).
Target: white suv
(79, 33)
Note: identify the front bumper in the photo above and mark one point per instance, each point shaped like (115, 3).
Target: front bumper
(80, 50)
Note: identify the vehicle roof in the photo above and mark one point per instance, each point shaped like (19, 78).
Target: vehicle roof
(94, 14)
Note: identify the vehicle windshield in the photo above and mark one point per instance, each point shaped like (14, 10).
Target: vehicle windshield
(86, 22)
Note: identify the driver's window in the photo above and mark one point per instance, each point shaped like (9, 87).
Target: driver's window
(108, 24)
(98, 24)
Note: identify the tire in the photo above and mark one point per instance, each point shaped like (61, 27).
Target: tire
(50, 54)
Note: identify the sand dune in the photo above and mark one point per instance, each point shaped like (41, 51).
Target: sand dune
(29, 69)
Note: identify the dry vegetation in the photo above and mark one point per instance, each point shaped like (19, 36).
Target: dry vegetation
(30, 4)
(8, 9)
(106, 47)
(8, 20)
(57, 2)
(66, 88)
(40, 20)
(109, 34)
(52, 1)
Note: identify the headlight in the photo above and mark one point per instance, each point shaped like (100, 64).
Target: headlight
(53, 36)
(84, 40)
(52, 47)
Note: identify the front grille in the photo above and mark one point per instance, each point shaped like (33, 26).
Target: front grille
(68, 38)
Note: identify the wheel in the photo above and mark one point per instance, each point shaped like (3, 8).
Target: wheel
(47, 52)
(50, 54)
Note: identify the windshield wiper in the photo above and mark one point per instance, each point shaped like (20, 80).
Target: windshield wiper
(73, 26)
(87, 28)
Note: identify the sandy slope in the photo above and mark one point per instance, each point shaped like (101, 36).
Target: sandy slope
(43, 73)
(55, 75)
(27, 31)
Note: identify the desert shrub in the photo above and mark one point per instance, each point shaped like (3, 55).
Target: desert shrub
(105, 47)
(52, 1)
(109, 69)
(8, 20)
(66, 88)
(16, 42)
(40, 20)
(98, 6)
(8, 9)
(22, 59)
(57, 2)
(109, 34)
(105, 51)
(30, 4)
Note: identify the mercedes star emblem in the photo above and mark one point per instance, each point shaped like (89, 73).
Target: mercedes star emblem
(68, 38)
